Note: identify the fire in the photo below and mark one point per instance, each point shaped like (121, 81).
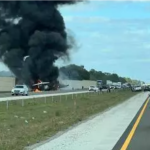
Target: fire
(37, 90)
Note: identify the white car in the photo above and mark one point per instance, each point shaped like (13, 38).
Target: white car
(93, 88)
(20, 90)
(138, 88)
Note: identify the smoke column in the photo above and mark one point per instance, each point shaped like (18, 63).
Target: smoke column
(32, 38)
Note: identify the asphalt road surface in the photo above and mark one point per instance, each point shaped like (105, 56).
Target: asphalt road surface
(137, 135)
(44, 92)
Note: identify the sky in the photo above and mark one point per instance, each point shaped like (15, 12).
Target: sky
(113, 36)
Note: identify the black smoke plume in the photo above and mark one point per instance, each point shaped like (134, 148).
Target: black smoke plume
(32, 38)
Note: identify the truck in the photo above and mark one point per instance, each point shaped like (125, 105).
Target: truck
(99, 84)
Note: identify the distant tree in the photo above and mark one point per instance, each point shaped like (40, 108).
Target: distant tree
(75, 72)
(114, 77)
(123, 80)
(82, 66)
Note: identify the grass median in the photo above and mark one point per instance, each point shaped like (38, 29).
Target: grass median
(27, 122)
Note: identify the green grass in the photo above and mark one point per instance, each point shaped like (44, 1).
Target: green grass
(39, 119)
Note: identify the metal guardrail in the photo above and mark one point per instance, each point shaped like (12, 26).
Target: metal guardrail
(38, 96)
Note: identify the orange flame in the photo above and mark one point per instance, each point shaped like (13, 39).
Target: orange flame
(37, 90)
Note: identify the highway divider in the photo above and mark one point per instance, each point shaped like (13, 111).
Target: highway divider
(45, 97)
(39, 96)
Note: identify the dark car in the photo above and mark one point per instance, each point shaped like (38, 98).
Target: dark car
(104, 87)
(147, 88)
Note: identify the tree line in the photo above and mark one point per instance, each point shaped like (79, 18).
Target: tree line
(75, 72)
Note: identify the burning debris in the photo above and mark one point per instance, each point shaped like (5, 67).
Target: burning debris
(37, 90)
(32, 38)
(44, 86)
(37, 86)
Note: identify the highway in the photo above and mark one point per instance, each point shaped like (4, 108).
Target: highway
(8, 97)
(124, 127)
(137, 135)
(111, 130)
(44, 92)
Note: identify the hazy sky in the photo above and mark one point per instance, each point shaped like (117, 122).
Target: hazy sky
(114, 36)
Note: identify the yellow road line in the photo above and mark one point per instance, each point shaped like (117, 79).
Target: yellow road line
(127, 141)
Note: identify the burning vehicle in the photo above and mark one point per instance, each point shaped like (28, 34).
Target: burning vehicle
(40, 86)
(47, 86)
(44, 86)
(33, 37)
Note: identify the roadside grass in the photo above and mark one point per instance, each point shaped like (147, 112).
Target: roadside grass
(30, 121)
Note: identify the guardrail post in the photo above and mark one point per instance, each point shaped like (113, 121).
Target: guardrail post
(66, 97)
(60, 98)
(33, 100)
(52, 99)
(45, 99)
(72, 95)
(75, 104)
(22, 102)
(7, 104)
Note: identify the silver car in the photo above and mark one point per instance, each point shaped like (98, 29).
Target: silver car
(20, 90)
